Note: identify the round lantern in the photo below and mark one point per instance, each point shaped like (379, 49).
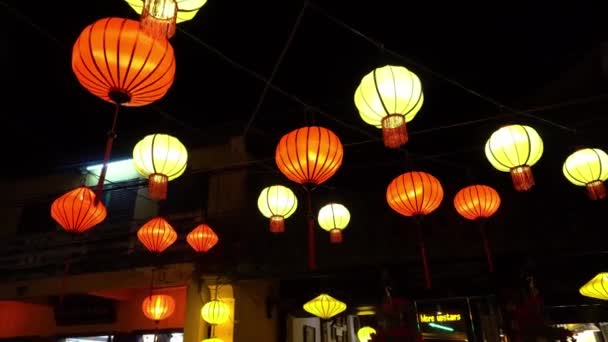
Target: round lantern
(477, 202)
(588, 167)
(414, 193)
(309, 155)
(215, 312)
(365, 334)
(161, 158)
(388, 98)
(186, 9)
(515, 149)
(78, 210)
(334, 218)
(115, 61)
(202, 238)
(157, 235)
(158, 307)
(596, 287)
(277, 203)
(324, 306)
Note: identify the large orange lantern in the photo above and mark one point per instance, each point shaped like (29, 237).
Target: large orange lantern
(202, 238)
(416, 194)
(78, 210)
(478, 202)
(158, 307)
(119, 63)
(157, 235)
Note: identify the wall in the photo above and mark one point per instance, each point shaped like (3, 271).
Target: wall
(295, 328)
(252, 321)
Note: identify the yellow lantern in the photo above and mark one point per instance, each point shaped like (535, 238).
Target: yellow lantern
(334, 218)
(277, 203)
(515, 149)
(596, 287)
(365, 334)
(161, 158)
(387, 98)
(324, 306)
(588, 167)
(186, 9)
(215, 312)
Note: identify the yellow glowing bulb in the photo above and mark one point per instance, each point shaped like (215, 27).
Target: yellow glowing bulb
(514, 146)
(324, 306)
(365, 334)
(160, 154)
(277, 200)
(586, 166)
(215, 312)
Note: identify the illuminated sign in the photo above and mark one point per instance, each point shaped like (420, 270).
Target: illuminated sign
(447, 317)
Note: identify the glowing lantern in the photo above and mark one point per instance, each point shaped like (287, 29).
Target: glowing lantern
(365, 334)
(478, 202)
(277, 203)
(334, 218)
(388, 98)
(324, 306)
(161, 158)
(215, 312)
(596, 287)
(416, 194)
(515, 149)
(78, 210)
(309, 155)
(186, 9)
(588, 167)
(115, 61)
(202, 238)
(158, 18)
(158, 307)
(157, 235)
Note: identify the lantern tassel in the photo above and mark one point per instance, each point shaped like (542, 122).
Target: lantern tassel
(311, 232)
(106, 156)
(277, 224)
(596, 190)
(423, 254)
(522, 177)
(335, 236)
(486, 246)
(394, 131)
(157, 186)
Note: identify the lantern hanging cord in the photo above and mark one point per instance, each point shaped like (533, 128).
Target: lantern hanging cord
(311, 229)
(107, 152)
(423, 252)
(486, 244)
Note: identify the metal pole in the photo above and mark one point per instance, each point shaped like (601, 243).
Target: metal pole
(472, 324)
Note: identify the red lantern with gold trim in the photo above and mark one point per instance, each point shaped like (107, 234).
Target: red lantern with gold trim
(157, 235)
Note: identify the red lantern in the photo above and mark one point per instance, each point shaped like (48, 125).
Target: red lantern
(78, 210)
(477, 201)
(119, 63)
(158, 307)
(202, 238)
(157, 235)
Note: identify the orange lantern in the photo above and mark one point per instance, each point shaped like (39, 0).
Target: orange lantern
(158, 307)
(157, 235)
(477, 202)
(309, 155)
(78, 210)
(117, 62)
(202, 238)
(416, 194)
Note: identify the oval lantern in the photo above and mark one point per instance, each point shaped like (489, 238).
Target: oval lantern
(158, 307)
(215, 312)
(414, 194)
(309, 155)
(117, 62)
(515, 149)
(388, 98)
(161, 158)
(365, 334)
(78, 210)
(334, 218)
(324, 306)
(277, 203)
(596, 287)
(186, 9)
(477, 202)
(202, 238)
(588, 167)
(157, 235)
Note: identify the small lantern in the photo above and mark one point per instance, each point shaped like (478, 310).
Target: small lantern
(186, 9)
(588, 167)
(158, 307)
(277, 203)
(157, 235)
(515, 149)
(215, 312)
(477, 201)
(388, 98)
(78, 210)
(365, 334)
(596, 287)
(161, 158)
(158, 18)
(202, 238)
(414, 194)
(334, 218)
(324, 306)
